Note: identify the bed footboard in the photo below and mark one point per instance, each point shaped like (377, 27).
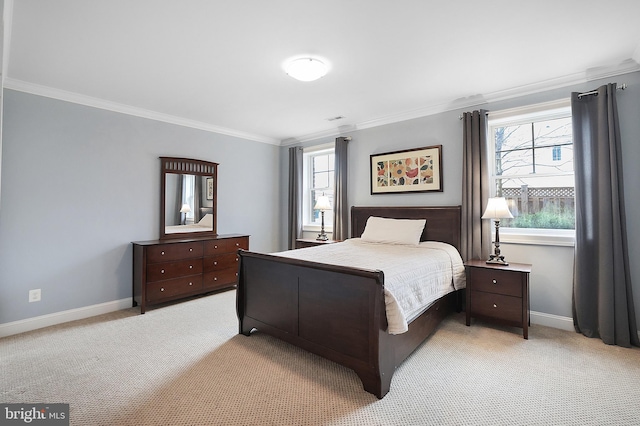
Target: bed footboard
(335, 312)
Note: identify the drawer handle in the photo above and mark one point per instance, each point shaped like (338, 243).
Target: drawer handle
(190, 266)
(190, 249)
(215, 263)
(237, 244)
(162, 253)
(495, 306)
(236, 274)
(162, 271)
(215, 278)
(215, 247)
(494, 281)
(161, 288)
(190, 283)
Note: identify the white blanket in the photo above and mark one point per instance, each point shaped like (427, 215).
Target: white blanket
(414, 276)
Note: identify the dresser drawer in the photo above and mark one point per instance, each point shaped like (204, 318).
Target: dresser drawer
(167, 289)
(169, 270)
(222, 278)
(507, 308)
(176, 251)
(226, 245)
(222, 261)
(495, 281)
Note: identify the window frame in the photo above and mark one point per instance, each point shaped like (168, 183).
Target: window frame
(308, 156)
(522, 115)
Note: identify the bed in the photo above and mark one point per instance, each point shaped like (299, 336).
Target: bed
(339, 312)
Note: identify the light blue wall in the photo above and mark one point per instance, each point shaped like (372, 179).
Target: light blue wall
(80, 183)
(551, 277)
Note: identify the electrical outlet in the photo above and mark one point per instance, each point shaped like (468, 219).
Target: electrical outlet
(34, 295)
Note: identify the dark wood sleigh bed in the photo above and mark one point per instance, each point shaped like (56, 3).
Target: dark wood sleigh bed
(339, 312)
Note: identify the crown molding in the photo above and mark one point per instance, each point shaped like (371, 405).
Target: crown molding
(49, 92)
(625, 67)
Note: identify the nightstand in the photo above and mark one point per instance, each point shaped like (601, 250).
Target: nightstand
(310, 242)
(499, 293)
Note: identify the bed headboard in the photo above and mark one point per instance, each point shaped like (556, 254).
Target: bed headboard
(443, 223)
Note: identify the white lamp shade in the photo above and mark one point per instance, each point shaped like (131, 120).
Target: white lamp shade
(186, 208)
(323, 203)
(497, 209)
(306, 69)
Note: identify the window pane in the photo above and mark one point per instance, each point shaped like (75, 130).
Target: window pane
(512, 137)
(538, 202)
(551, 159)
(518, 162)
(321, 180)
(320, 163)
(553, 132)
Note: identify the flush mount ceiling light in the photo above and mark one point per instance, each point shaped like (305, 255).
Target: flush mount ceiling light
(306, 69)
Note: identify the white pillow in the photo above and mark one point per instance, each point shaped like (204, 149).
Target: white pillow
(206, 221)
(393, 231)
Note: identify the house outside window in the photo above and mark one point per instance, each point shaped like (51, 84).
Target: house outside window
(531, 150)
(319, 178)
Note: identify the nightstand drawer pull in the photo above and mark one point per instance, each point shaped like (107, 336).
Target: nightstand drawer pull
(161, 288)
(494, 281)
(495, 306)
(162, 271)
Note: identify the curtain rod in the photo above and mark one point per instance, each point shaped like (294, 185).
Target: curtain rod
(593, 92)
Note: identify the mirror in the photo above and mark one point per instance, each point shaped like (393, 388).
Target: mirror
(188, 198)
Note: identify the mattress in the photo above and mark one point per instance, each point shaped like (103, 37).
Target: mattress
(414, 276)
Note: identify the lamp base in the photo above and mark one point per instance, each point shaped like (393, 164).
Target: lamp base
(497, 260)
(322, 237)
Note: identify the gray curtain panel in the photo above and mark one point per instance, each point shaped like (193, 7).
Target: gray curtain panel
(295, 195)
(476, 232)
(602, 299)
(340, 204)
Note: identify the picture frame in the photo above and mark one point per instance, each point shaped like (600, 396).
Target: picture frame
(209, 188)
(409, 170)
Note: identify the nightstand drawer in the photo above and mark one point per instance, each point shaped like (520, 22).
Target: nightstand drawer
(495, 281)
(507, 308)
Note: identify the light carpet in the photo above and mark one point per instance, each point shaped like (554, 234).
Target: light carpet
(185, 364)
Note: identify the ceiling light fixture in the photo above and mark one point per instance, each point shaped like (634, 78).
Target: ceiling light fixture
(306, 69)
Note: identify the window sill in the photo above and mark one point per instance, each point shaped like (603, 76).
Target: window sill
(538, 237)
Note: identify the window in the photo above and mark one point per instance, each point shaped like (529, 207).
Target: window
(532, 157)
(318, 180)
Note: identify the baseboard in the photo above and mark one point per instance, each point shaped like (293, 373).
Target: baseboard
(549, 320)
(16, 327)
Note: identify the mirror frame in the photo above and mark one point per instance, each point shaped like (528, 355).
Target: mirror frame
(175, 165)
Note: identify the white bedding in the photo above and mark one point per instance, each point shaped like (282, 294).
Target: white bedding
(414, 276)
(204, 224)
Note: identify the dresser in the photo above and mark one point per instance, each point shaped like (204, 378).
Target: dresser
(168, 270)
(498, 293)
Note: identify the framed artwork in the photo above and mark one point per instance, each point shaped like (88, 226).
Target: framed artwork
(411, 170)
(209, 188)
